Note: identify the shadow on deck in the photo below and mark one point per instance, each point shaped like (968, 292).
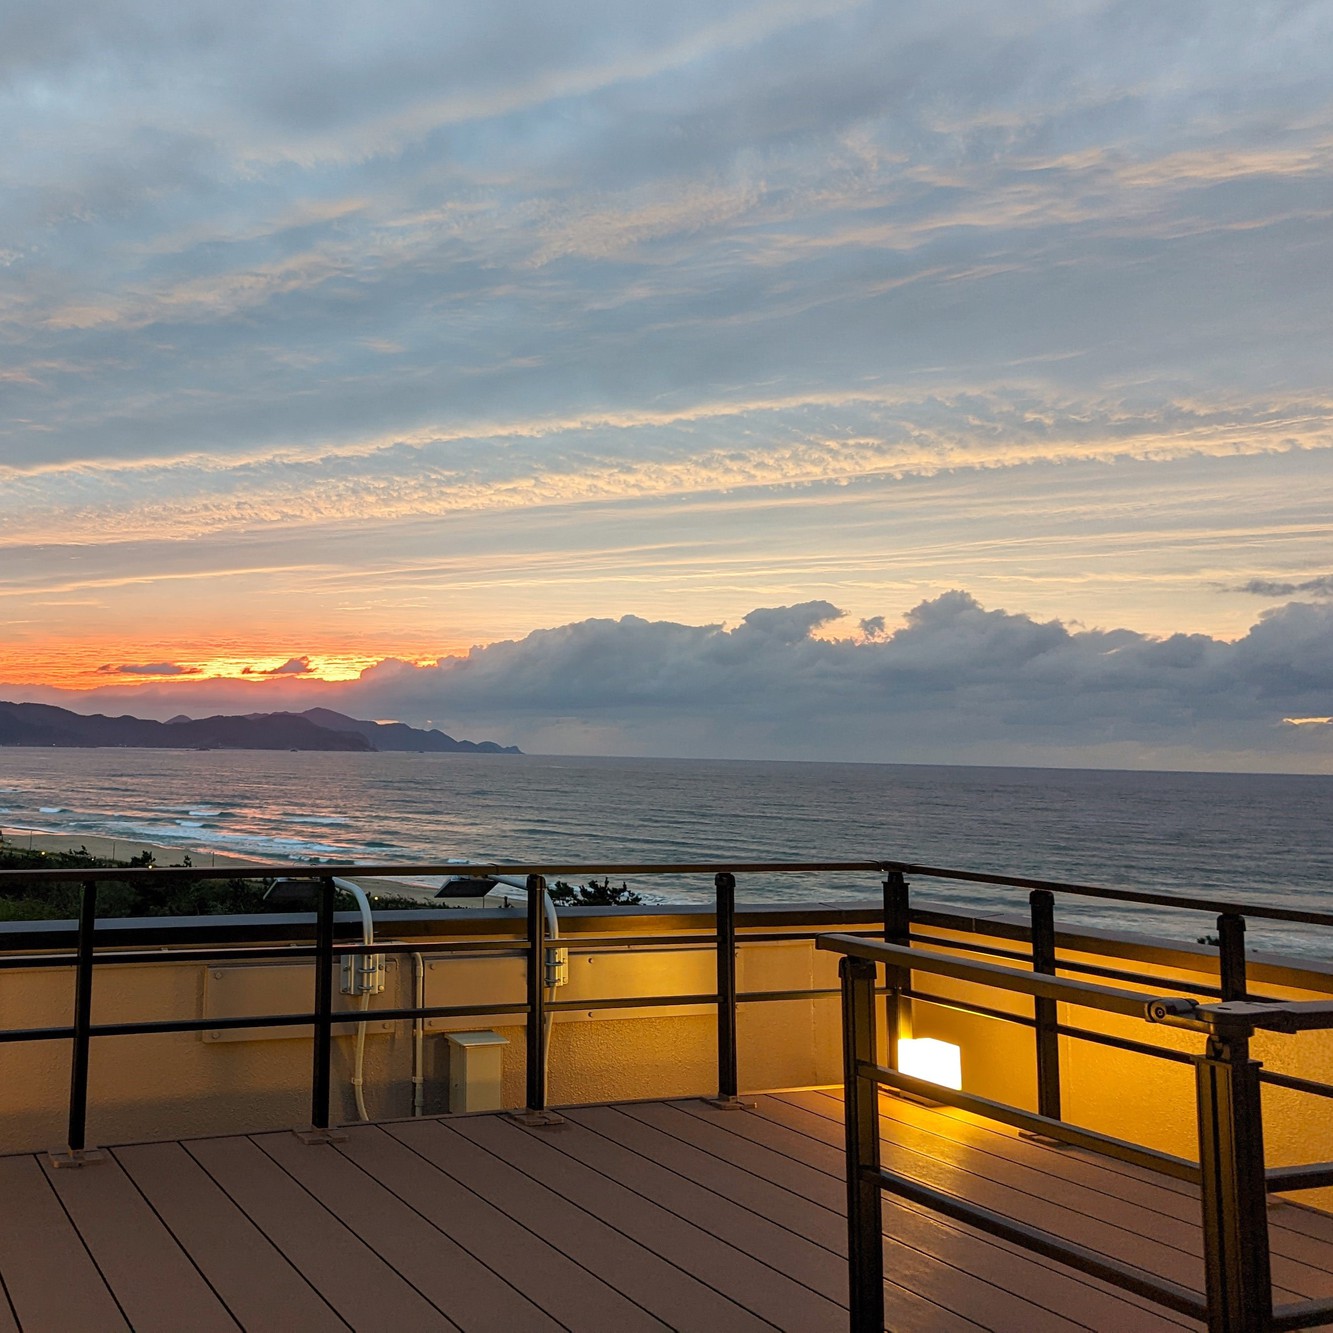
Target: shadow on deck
(638, 1216)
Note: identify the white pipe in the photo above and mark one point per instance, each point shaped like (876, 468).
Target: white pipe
(553, 933)
(367, 937)
(418, 1034)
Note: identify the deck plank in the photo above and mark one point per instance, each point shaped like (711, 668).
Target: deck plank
(53, 1284)
(1293, 1233)
(797, 1279)
(360, 1286)
(8, 1323)
(155, 1283)
(950, 1262)
(637, 1217)
(1105, 1223)
(564, 1288)
(675, 1297)
(457, 1283)
(754, 1286)
(259, 1285)
(752, 1226)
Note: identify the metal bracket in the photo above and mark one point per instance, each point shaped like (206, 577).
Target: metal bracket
(537, 1119)
(1046, 1141)
(312, 1138)
(68, 1158)
(729, 1104)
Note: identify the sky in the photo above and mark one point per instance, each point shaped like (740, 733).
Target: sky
(757, 378)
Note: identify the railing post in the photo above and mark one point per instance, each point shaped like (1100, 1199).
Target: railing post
(897, 930)
(320, 1079)
(1234, 1192)
(1231, 955)
(727, 1081)
(865, 1243)
(536, 1033)
(83, 1021)
(1045, 1012)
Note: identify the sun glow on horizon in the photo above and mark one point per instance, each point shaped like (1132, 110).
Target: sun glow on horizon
(128, 666)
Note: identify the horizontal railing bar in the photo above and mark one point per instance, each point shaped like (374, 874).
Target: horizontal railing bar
(1301, 1314)
(1296, 1084)
(1141, 978)
(1084, 969)
(352, 870)
(1132, 1004)
(1211, 905)
(990, 950)
(1312, 1176)
(35, 1034)
(1134, 1280)
(222, 953)
(1165, 1164)
(967, 1007)
(195, 874)
(344, 1016)
(1124, 1044)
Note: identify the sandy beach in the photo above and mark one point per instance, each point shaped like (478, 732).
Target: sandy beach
(124, 849)
(117, 849)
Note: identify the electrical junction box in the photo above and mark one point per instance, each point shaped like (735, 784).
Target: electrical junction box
(476, 1071)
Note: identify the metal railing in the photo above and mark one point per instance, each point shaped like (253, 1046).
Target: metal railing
(326, 953)
(1233, 1078)
(1230, 1171)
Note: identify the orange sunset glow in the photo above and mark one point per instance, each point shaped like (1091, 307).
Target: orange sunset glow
(953, 362)
(91, 667)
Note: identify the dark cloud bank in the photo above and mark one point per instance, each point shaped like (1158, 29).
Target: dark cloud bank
(955, 683)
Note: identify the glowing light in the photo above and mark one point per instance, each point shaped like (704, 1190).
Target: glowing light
(935, 1061)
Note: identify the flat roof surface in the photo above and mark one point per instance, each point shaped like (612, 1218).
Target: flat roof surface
(645, 1215)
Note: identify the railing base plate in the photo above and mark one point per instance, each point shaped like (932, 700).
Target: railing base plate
(67, 1158)
(537, 1119)
(312, 1138)
(730, 1104)
(1046, 1141)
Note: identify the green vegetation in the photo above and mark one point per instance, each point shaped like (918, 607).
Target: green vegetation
(167, 895)
(593, 894)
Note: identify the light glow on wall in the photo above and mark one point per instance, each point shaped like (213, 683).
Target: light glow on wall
(933, 1060)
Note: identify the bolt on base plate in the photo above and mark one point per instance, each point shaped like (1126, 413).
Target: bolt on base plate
(72, 1157)
(314, 1137)
(1046, 1141)
(537, 1119)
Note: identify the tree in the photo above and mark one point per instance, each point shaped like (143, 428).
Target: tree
(593, 894)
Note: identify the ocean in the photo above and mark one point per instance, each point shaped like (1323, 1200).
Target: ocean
(1250, 838)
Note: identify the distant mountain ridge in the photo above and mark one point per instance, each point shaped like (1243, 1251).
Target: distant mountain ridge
(398, 736)
(315, 729)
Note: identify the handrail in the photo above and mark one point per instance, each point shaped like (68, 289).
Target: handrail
(1230, 1172)
(1224, 1073)
(877, 865)
(1174, 1010)
(1218, 906)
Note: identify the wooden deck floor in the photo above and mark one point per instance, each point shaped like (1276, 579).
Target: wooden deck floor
(642, 1216)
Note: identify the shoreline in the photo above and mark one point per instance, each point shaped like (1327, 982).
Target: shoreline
(165, 858)
(107, 848)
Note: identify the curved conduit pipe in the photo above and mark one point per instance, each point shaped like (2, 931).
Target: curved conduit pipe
(552, 933)
(367, 937)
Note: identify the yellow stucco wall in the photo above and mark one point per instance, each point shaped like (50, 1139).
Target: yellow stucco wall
(176, 1085)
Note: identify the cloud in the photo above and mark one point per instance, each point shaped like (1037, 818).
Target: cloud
(150, 669)
(952, 682)
(1322, 586)
(293, 666)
